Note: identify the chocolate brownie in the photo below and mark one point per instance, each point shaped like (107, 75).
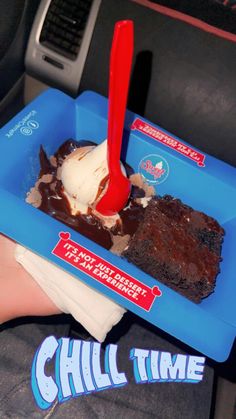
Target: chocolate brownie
(178, 246)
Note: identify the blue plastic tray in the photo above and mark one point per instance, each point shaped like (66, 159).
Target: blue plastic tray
(200, 181)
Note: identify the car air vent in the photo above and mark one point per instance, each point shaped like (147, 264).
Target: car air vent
(59, 42)
(64, 26)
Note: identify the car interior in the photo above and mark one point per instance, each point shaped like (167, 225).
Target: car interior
(183, 79)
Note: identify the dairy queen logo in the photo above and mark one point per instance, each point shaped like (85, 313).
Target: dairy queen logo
(154, 168)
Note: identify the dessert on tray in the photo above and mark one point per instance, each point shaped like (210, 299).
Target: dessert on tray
(178, 246)
(56, 196)
(162, 236)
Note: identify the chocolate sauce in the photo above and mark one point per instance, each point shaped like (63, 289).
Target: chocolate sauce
(55, 204)
(69, 146)
(130, 218)
(45, 165)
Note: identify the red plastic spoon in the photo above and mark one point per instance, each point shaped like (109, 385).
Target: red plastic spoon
(118, 188)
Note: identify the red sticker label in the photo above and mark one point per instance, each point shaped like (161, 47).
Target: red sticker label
(105, 273)
(169, 141)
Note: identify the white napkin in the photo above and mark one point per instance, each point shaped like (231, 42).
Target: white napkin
(97, 313)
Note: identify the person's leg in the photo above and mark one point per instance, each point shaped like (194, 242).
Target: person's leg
(19, 341)
(20, 295)
(163, 400)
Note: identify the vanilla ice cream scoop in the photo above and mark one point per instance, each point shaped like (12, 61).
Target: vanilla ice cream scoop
(82, 174)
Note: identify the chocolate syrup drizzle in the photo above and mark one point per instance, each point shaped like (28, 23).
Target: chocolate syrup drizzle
(55, 204)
